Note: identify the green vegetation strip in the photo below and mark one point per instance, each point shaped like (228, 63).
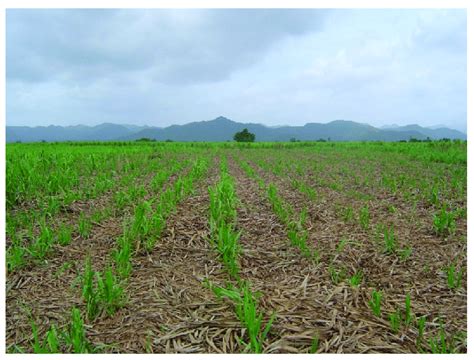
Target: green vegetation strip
(224, 237)
(20, 253)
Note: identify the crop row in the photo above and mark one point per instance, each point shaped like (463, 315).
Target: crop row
(224, 238)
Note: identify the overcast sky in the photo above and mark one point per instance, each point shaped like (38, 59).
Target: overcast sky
(276, 67)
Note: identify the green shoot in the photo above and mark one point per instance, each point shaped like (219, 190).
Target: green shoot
(454, 277)
(341, 245)
(76, 336)
(395, 320)
(421, 328)
(408, 316)
(89, 292)
(440, 344)
(336, 275)
(85, 226)
(64, 235)
(443, 222)
(247, 313)
(39, 347)
(227, 242)
(364, 217)
(52, 340)
(110, 292)
(314, 345)
(41, 247)
(123, 256)
(348, 214)
(405, 253)
(106, 295)
(15, 257)
(375, 302)
(356, 279)
(389, 240)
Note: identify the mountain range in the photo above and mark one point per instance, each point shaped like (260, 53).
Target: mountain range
(223, 129)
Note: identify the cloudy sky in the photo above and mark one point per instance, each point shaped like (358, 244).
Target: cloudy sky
(162, 67)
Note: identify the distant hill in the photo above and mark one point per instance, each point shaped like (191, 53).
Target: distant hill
(431, 132)
(102, 132)
(223, 129)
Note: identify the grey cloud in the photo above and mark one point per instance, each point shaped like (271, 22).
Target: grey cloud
(275, 66)
(175, 46)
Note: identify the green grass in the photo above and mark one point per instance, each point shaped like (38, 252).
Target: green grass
(348, 214)
(50, 345)
(246, 308)
(434, 195)
(404, 253)
(123, 255)
(364, 217)
(356, 279)
(225, 238)
(336, 275)
(408, 315)
(223, 235)
(395, 320)
(84, 226)
(89, 292)
(227, 243)
(101, 292)
(454, 277)
(64, 235)
(375, 303)
(64, 267)
(15, 257)
(314, 345)
(390, 241)
(141, 226)
(299, 238)
(73, 339)
(443, 222)
(158, 223)
(439, 344)
(283, 212)
(341, 245)
(76, 335)
(110, 291)
(296, 232)
(43, 243)
(43, 180)
(421, 324)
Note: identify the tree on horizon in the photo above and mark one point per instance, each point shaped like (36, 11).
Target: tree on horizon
(244, 136)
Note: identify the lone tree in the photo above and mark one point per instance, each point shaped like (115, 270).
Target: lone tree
(244, 136)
